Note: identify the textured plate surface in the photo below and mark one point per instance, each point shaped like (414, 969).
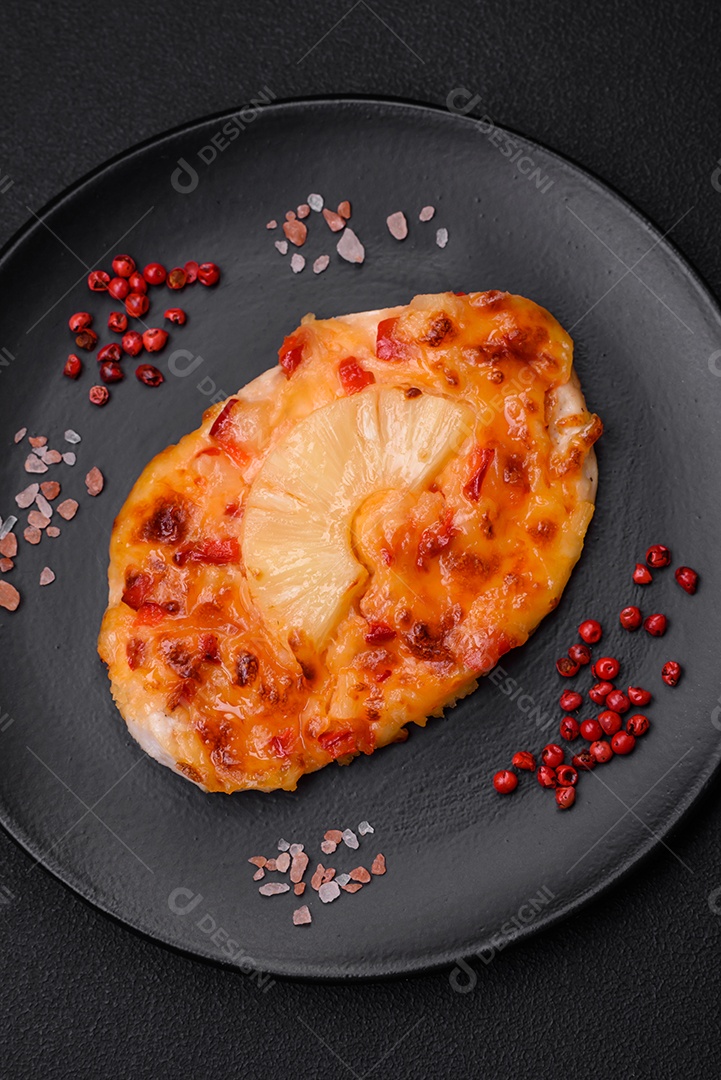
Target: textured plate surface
(466, 868)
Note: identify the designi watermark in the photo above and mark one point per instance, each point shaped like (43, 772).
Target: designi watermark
(514, 691)
(6, 358)
(184, 902)
(716, 177)
(714, 363)
(183, 363)
(463, 978)
(463, 101)
(185, 177)
(6, 896)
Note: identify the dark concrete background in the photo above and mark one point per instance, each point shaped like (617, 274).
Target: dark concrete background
(628, 987)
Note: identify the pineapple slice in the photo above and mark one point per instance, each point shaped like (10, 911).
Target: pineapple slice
(298, 541)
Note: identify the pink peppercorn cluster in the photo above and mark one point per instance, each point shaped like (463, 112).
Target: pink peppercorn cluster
(608, 734)
(130, 287)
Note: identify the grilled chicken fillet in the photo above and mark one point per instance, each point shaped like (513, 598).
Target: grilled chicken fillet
(349, 542)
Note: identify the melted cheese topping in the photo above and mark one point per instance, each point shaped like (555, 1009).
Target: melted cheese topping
(221, 679)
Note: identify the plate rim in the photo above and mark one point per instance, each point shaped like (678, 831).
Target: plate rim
(440, 959)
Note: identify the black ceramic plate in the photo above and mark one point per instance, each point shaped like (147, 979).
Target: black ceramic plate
(467, 869)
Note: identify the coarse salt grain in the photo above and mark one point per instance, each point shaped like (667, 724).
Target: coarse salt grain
(32, 535)
(329, 892)
(71, 436)
(316, 880)
(68, 509)
(344, 209)
(295, 849)
(272, 224)
(333, 834)
(350, 248)
(301, 916)
(350, 839)
(43, 506)
(6, 566)
(27, 496)
(397, 225)
(343, 879)
(426, 213)
(20, 435)
(52, 531)
(379, 865)
(9, 545)
(328, 846)
(296, 232)
(258, 860)
(298, 866)
(69, 458)
(37, 440)
(282, 246)
(315, 202)
(47, 577)
(321, 264)
(94, 481)
(38, 520)
(360, 874)
(364, 828)
(49, 488)
(334, 221)
(299, 888)
(283, 845)
(352, 887)
(259, 874)
(297, 263)
(9, 596)
(283, 862)
(53, 457)
(442, 237)
(8, 525)
(303, 210)
(271, 865)
(273, 888)
(33, 464)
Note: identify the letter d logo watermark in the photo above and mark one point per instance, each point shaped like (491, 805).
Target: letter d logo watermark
(182, 362)
(182, 901)
(184, 179)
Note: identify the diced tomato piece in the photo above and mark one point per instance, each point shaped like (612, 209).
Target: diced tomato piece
(353, 377)
(480, 462)
(135, 650)
(137, 587)
(150, 614)
(183, 693)
(338, 743)
(208, 649)
(435, 538)
(378, 632)
(215, 552)
(281, 744)
(388, 347)
(290, 354)
(223, 422)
